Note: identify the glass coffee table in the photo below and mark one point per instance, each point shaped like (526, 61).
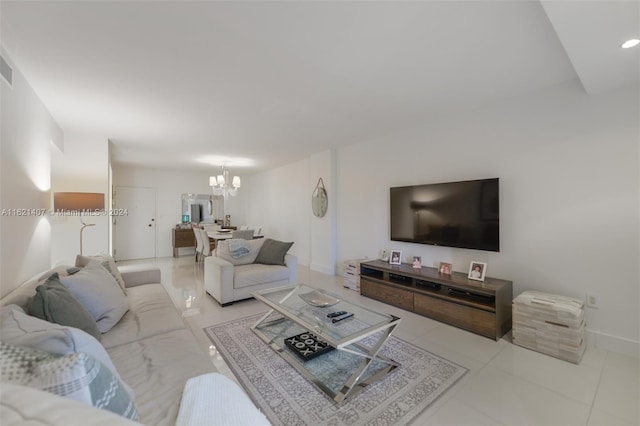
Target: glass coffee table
(340, 356)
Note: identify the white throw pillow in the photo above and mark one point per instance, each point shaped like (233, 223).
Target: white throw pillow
(222, 251)
(99, 293)
(106, 261)
(77, 376)
(19, 329)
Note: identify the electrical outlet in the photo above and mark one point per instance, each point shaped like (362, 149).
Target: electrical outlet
(592, 301)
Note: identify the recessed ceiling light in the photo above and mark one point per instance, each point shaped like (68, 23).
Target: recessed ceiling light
(630, 43)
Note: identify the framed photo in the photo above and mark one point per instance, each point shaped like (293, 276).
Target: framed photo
(385, 255)
(417, 262)
(396, 257)
(477, 271)
(445, 268)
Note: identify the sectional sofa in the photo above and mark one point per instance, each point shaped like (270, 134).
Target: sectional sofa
(149, 354)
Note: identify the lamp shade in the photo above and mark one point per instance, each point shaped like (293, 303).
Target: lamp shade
(78, 201)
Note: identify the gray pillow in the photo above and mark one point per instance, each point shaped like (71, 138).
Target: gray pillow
(54, 303)
(273, 252)
(99, 293)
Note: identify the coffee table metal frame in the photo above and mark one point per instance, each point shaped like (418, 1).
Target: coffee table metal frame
(343, 341)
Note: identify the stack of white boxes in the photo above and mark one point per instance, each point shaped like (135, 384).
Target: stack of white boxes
(351, 273)
(550, 324)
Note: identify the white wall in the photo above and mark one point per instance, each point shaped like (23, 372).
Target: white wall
(27, 133)
(568, 169)
(83, 166)
(322, 238)
(280, 201)
(569, 192)
(169, 186)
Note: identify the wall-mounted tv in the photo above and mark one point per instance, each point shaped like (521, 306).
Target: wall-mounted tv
(454, 214)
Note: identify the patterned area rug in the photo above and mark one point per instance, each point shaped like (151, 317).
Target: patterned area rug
(287, 398)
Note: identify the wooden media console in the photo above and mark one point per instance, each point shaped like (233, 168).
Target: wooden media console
(482, 307)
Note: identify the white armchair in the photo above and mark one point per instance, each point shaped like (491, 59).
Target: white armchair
(228, 279)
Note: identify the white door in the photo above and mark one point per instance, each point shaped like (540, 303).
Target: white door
(134, 223)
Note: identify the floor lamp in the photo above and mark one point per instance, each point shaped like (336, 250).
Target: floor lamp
(80, 202)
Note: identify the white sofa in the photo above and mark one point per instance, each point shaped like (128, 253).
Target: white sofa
(230, 279)
(153, 350)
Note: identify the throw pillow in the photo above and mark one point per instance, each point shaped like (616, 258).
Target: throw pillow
(223, 252)
(77, 376)
(19, 329)
(238, 247)
(273, 252)
(99, 293)
(62, 270)
(54, 303)
(108, 263)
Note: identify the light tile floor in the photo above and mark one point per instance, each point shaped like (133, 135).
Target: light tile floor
(506, 384)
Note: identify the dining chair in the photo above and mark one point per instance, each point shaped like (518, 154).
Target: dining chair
(199, 242)
(257, 230)
(210, 227)
(206, 245)
(245, 234)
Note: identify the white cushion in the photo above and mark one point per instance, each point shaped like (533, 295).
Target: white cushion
(99, 293)
(157, 368)
(257, 273)
(152, 312)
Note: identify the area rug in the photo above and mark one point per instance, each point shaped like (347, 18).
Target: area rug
(287, 398)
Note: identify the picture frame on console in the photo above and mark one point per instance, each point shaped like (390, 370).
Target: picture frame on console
(477, 271)
(417, 262)
(445, 268)
(395, 258)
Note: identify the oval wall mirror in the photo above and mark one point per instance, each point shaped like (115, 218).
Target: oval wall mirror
(319, 200)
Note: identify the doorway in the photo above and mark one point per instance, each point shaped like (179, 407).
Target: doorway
(134, 223)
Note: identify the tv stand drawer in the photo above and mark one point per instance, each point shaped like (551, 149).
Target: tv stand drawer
(391, 295)
(468, 318)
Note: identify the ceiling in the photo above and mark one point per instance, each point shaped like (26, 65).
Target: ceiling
(188, 85)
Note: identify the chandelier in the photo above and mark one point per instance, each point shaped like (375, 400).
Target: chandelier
(222, 185)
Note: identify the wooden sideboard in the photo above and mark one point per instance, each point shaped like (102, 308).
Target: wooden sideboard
(480, 307)
(182, 238)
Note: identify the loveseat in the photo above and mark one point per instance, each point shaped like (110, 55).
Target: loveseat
(238, 268)
(150, 354)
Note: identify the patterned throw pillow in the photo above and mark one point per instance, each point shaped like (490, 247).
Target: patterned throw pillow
(77, 376)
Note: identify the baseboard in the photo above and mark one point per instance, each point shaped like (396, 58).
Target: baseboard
(321, 268)
(613, 343)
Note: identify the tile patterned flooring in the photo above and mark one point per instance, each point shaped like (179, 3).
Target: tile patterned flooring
(506, 384)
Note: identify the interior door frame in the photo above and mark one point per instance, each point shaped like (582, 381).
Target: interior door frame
(115, 218)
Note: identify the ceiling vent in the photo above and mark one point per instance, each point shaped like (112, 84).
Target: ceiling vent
(6, 72)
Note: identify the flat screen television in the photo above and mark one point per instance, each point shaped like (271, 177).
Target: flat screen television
(454, 214)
